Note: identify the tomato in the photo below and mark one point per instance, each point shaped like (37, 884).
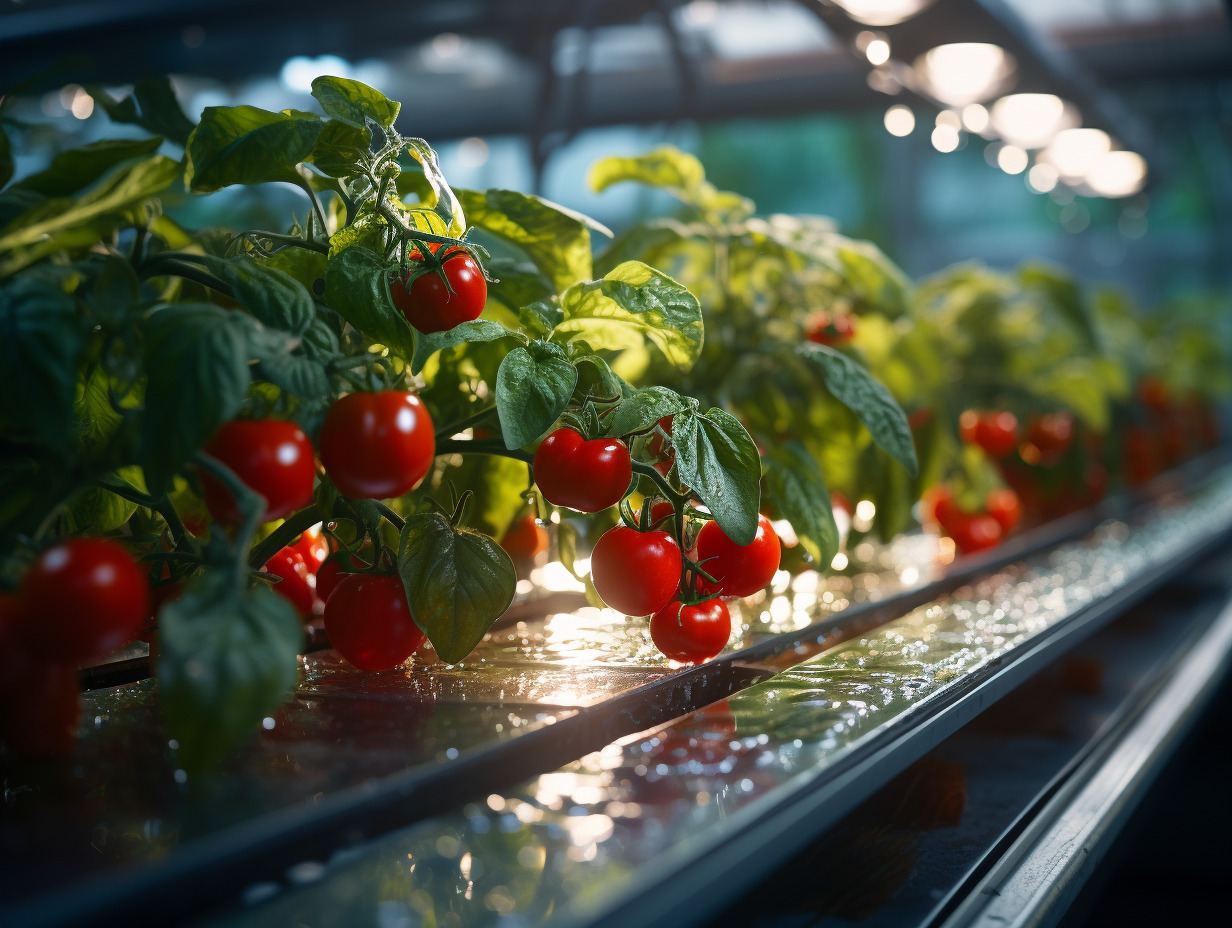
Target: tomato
(1003, 505)
(588, 476)
(634, 572)
(1051, 433)
(427, 301)
(377, 445)
(938, 505)
(272, 457)
(827, 329)
(994, 431)
(526, 539)
(691, 633)
(369, 622)
(741, 570)
(81, 598)
(332, 572)
(839, 501)
(298, 584)
(660, 510)
(977, 532)
(313, 546)
(1153, 394)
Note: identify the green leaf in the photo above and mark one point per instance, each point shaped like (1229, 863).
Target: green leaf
(113, 295)
(556, 239)
(668, 168)
(477, 330)
(357, 289)
(517, 284)
(41, 344)
(798, 490)
(354, 103)
(152, 105)
(1065, 294)
(340, 149)
(293, 373)
(196, 355)
(458, 582)
(633, 307)
(717, 459)
(226, 661)
(125, 188)
(597, 379)
(540, 319)
(72, 170)
(319, 341)
(447, 205)
(566, 548)
(274, 297)
(247, 145)
(533, 387)
(642, 410)
(855, 388)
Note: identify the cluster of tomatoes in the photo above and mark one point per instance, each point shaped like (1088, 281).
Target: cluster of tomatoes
(641, 569)
(972, 530)
(831, 329)
(79, 599)
(1167, 430)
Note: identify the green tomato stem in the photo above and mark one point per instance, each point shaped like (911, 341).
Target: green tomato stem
(276, 540)
(453, 428)
(494, 448)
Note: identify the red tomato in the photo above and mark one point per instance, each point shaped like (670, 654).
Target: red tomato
(977, 532)
(331, 573)
(377, 445)
(693, 633)
(840, 501)
(369, 622)
(741, 570)
(1153, 394)
(1003, 505)
(636, 572)
(997, 433)
(920, 418)
(1051, 433)
(272, 457)
(660, 510)
(298, 584)
(428, 303)
(313, 546)
(526, 538)
(827, 329)
(938, 505)
(588, 476)
(81, 598)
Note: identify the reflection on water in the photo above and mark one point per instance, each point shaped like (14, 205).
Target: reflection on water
(567, 844)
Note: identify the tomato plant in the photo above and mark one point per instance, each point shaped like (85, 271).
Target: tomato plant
(437, 298)
(272, 457)
(377, 445)
(369, 622)
(636, 572)
(691, 632)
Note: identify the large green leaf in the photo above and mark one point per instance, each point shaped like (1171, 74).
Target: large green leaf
(533, 387)
(556, 239)
(274, 297)
(517, 284)
(226, 661)
(152, 105)
(717, 459)
(643, 409)
(669, 168)
(357, 288)
(247, 145)
(859, 391)
(477, 330)
(72, 170)
(1064, 293)
(340, 149)
(633, 307)
(125, 188)
(798, 490)
(196, 355)
(458, 582)
(354, 103)
(41, 343)
(447, 206)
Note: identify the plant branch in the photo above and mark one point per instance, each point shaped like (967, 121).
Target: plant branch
(461, 425)
(304, 184)
(494, 448)
(165, 265)
(276, 540)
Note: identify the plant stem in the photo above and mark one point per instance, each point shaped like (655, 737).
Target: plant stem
(304, 184)
(276, 540)
(165, 265)
(494, 448)
(454, 428)
(161, 505)
(294, 240)
(389, 515)
(647, 470)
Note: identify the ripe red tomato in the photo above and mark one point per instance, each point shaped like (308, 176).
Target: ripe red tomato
(428, 303)
(377, 445)
(298, 584)
(977, 532)
(314, 547)
(995, 431)
(691, 633)
(80, 598)
(828, 329)
(1051, 433)
(635, 572)
(271, 456)
(526, 539)
(1003, 505)
(588, 476)
(330, 574)
(369, 622)
(938, 505)
(741, 570)
(660, 510)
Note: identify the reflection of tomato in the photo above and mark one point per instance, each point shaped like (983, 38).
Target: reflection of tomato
(39, 704)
